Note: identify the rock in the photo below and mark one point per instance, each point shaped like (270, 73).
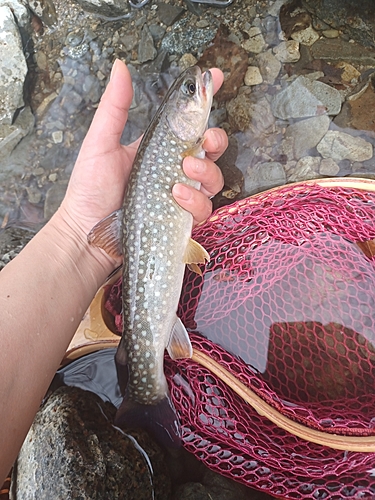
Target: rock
(359, 113)
(253, 76)
(185, 37)
(305, 135)
(305, 169)
(186, 61)
(57, 136)
(308, 36)
(330, 33)
(13, 68)
(54, 197)
(255, 43)
(11, 135)
(269, 66)
(341, 146)
(156, 31)
(328, 167)
(287, 52)
(107, 8)
(20, 12)
(231, 59)
(73, 451)
(304, 98)
(264, 176)
(338, 49)
(45, 10)
(146, 48)
(349, 73)
(354, 18)
(169, 14)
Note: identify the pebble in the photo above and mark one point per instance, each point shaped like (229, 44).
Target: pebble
(146, 49)
(329, 167)
(287, 52)
(350, 73)
(307, 36)
(57, 136)
(253, 76)
(304, 98)
(342, 146)
(264, 176)
(269, 66)
(330, 33)
(186, 61)
(256, 43)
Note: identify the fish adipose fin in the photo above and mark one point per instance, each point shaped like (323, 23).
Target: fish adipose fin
(106, 234)
(179, 345)
(195, 254)
(160, 420)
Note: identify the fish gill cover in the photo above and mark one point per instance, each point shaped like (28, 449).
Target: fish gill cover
(286, 305)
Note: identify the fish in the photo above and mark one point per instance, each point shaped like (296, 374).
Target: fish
(153, 234)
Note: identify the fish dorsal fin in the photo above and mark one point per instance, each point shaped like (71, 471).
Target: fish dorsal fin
(179, 345)
(106, 234)
(195, 254)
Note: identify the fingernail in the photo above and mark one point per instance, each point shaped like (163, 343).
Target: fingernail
(113, 70)
(215, 138)
(181, 191)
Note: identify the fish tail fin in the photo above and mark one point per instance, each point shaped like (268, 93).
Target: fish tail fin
(160, 420)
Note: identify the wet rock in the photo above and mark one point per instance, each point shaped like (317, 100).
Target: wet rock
(305, 169)
(328, 167)
(186, 61)
(185, 37)
(269, 66)
(330, 33)
(304, 98)
(361, 111)
(255, 117)
(341, 146)
(352, 17)
(287, 52)
(308, 36)
(338, 49)
(20, 11)
(54, 196)
(231, 59)
(76, 45)
(11, 135)
(13, 68)
(169, 14)
(349, 72)
(156, 31)
(264, 176)
(146, 49)
(304, 135)
(107, 8)
(73, 451)
(255, 43)
(253, 76)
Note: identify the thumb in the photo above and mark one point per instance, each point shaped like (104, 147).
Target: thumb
(112, 113)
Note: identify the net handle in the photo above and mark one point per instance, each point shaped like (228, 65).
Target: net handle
(362, 444)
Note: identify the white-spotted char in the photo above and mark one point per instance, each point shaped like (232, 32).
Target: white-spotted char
(153, 233)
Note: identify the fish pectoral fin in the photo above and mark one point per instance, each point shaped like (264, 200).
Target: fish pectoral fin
(106, 234)
(179, 345)
(195, 254)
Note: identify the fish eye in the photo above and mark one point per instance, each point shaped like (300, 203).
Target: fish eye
(189, 87)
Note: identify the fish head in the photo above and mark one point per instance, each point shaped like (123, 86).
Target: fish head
(189, 105)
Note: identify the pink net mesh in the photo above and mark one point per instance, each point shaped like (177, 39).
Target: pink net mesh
(286, 304)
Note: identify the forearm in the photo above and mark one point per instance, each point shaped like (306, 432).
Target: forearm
(44, 293)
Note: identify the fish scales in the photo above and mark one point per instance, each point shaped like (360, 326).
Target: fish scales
(155, 230)
(152, 232)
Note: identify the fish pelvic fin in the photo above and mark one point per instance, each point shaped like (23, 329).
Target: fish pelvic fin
(160, 420)
(195, 254)
(179, 345)
(106, 234)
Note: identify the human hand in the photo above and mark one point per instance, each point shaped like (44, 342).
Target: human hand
(102, 169)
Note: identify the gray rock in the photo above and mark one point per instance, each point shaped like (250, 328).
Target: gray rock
(13, 68)
(269, 66)
(287, 52)
(307, 36)
(305, 169)
(264, 176)
(169, 14)
(11, 135)
(156, 31)
(304, 98)
(146, 49)
(186, 37)
(328, 167)
(73, 451)
(341, 146)
(107, 8)
(20, 12)
(305, 135)
(337, 49)
(255, 43)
